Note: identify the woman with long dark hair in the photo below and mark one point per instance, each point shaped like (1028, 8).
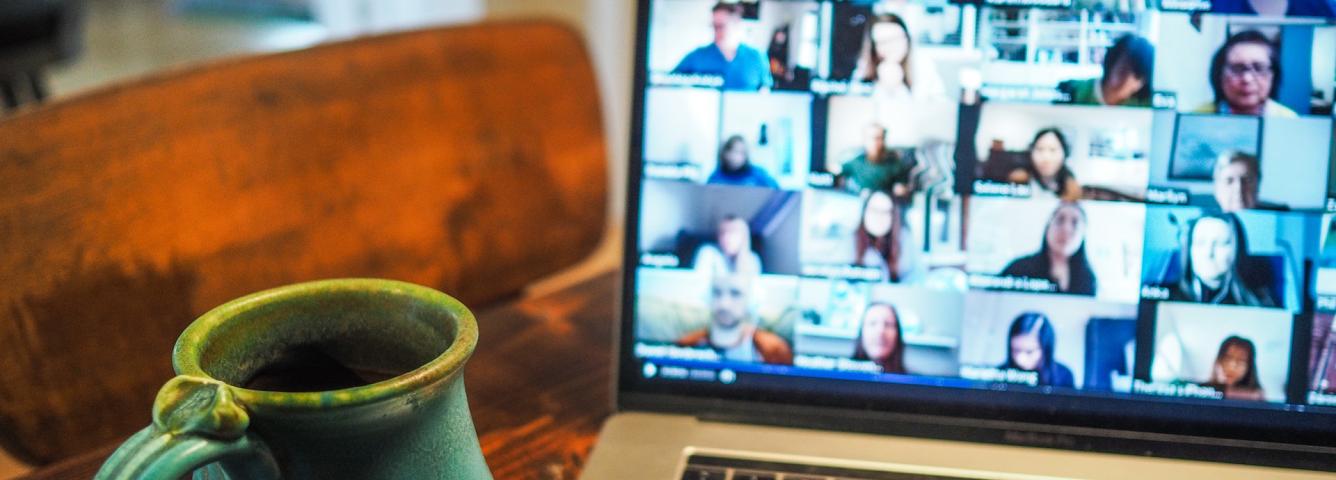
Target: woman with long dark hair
(1234, 372)
(1214, 252)
(881, 339)
(1061, 258)
(1046, 167)
(1030, 346)
(734, 167)
(881, 240)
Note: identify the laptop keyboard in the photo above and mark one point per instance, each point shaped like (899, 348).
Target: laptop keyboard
(704, 467)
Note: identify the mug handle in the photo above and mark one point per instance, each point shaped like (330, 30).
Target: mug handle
(196, 422)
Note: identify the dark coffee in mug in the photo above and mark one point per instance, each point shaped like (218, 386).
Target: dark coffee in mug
(310, 368)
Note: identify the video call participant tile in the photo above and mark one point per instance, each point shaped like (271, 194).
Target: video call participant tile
(1256, 66)
(1219, 352)
(727, 317)
(746, 46)
(711, 228)
(1237, 162)
(878, 328)
(1248, 258)
(872, 236)
(1067, 152)
(1039, 340)
(730, 138)
(1082, 248)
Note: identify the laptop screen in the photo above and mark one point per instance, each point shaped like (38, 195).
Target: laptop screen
(1083, 212)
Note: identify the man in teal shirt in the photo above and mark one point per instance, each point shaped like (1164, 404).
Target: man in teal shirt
(740, 66)
(878, 167)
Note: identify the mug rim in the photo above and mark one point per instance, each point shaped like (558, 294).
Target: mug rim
(190, 346)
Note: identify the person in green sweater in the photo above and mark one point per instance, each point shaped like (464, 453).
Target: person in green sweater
(878, 167)
(1127, 80)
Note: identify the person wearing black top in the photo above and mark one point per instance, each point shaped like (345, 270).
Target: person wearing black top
(1062, 258)
(1216, 259)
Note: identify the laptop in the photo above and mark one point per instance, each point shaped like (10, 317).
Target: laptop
(994, 239)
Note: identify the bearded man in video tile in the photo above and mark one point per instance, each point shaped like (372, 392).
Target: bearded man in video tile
(733, 331)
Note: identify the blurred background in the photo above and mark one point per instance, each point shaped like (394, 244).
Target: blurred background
(55, 49)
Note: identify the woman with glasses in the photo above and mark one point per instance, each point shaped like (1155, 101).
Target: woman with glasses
(1245, 75)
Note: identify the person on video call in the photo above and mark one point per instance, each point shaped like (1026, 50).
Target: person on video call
(1030, 346)
(1061, 258)
(742, 67)
(1237, 178)
(888, 61)
(878, 167)
(1128, 67)
(734, 167)
(731, 252)
(1215, 247)
(733, 331)
(880, 338)
(1245, 75)
(882, 241)
(778, 53)
(1235, 370)
(1046, 171)
(1276, 8)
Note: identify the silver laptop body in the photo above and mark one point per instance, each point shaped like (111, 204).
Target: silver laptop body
(984, 239)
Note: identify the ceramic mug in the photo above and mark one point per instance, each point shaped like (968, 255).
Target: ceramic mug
(326, 345)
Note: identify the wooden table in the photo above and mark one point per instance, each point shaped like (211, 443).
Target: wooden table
(538, 384)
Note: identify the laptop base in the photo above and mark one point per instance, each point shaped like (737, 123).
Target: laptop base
(650, 445)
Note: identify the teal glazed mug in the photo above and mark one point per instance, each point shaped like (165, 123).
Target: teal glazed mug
(352, 378)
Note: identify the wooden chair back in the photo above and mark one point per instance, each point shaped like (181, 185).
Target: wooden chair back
(470, 159)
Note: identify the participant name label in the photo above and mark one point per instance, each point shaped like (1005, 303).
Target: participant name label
(1031, 3)
(1185, 5)
(1020, 93)
(686, 80)
(840, 87)
(660, 260)
(835, 364)
(1149, 292)
(1002, 189)
(852, 272)
(821, 179)
(676, 353)
(1182, 390)
(1024, 284)
(672, 171)
(1004, 375)
(1168, 196)
(1164, 100)
(1321, 399)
